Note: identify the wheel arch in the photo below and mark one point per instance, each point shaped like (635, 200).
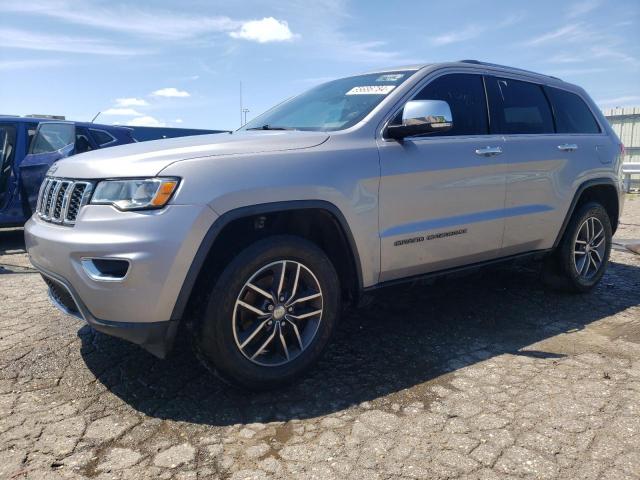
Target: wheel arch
(602, 190)
(304, 209)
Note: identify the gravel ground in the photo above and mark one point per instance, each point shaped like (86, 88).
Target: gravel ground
(478, 377)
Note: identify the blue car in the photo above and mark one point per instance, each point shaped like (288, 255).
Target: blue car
(28, 147)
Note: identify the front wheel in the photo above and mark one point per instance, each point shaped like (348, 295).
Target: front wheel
(583, 254)
(270, 314)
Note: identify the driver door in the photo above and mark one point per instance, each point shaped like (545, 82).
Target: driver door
(442, 194)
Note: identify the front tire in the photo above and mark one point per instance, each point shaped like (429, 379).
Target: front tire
(581, 258)
(270, 314)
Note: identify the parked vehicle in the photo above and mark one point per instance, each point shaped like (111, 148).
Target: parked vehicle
(29, 147)
(28, 151)
(254, 240)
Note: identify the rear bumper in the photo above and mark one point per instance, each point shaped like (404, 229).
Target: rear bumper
(155, 337)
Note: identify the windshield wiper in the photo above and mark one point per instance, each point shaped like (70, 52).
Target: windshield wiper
(269, 127)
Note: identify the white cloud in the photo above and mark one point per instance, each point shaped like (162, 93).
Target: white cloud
(473, 31)
(15, 38)
(619, 101)
(8, 65)
(122, 112)
(582, 8)
(124, 18)
(170, 92)
(568, 33)
(572, 72)
(178, 120)
(131, 102)
(467, 33)
(145, 121)
(266, 30)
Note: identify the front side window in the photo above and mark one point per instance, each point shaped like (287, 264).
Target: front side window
(465, 95)
(518, 107)
(335, 105)
(52, 137)
(572, 114)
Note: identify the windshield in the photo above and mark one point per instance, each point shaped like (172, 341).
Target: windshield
(334, 105)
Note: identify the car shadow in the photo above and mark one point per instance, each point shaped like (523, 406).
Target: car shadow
(12, 241)
(410, 336)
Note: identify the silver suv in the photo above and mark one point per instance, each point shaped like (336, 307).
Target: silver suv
(253, 241)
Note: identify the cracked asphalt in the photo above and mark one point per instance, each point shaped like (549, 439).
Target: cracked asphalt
(486, 376)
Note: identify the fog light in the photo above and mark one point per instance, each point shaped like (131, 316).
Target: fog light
(105, 269)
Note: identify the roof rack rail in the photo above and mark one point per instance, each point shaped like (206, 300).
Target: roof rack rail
(488, 64)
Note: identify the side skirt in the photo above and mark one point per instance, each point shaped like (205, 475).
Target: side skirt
(464, 268)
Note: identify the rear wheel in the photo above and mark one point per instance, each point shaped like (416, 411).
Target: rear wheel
(270, 314)
(583, 254)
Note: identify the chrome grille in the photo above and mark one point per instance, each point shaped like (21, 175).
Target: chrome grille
(60, 199)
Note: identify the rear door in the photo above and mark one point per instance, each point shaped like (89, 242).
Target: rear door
(540, 163)
(442, 194)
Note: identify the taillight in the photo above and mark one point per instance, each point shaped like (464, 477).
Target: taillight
(622, 150)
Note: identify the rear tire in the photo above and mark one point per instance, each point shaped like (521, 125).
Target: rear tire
(270, 313)
(581, 258)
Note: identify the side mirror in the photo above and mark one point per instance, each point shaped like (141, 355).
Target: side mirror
(420, 117)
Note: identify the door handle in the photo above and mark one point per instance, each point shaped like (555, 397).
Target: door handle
(489, 151)
(568, 147)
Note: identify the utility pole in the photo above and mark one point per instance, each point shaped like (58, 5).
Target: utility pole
(241, 103)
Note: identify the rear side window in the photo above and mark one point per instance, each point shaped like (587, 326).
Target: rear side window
(53, 136)
(465, 95)
(518, 107)
(101, 137)
(572, 114)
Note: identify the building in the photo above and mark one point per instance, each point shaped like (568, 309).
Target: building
(626, 123)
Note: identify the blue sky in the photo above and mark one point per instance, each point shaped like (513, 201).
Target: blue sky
(179, 63)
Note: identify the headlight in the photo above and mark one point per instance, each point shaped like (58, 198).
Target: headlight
(135, 194)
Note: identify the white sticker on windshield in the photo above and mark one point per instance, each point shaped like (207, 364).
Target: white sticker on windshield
(390, 77)
(371, 90)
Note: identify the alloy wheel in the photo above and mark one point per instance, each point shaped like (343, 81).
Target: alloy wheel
(589, 248)
(277, 313)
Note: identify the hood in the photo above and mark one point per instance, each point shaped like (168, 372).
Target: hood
(149, 158)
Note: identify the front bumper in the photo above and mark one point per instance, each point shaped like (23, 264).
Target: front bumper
(158, 246)
(155, 337)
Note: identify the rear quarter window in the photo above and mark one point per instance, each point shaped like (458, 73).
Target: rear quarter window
(572, 113)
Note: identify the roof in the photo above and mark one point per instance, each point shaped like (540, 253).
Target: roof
(466, 63)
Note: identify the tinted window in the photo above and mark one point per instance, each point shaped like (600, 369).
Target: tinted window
(465, 96)
(101, 137)
(53, 136)
(572, 114)
(518, 107)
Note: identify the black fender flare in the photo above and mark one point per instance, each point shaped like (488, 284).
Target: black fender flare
(265, 208)
(576, 197)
